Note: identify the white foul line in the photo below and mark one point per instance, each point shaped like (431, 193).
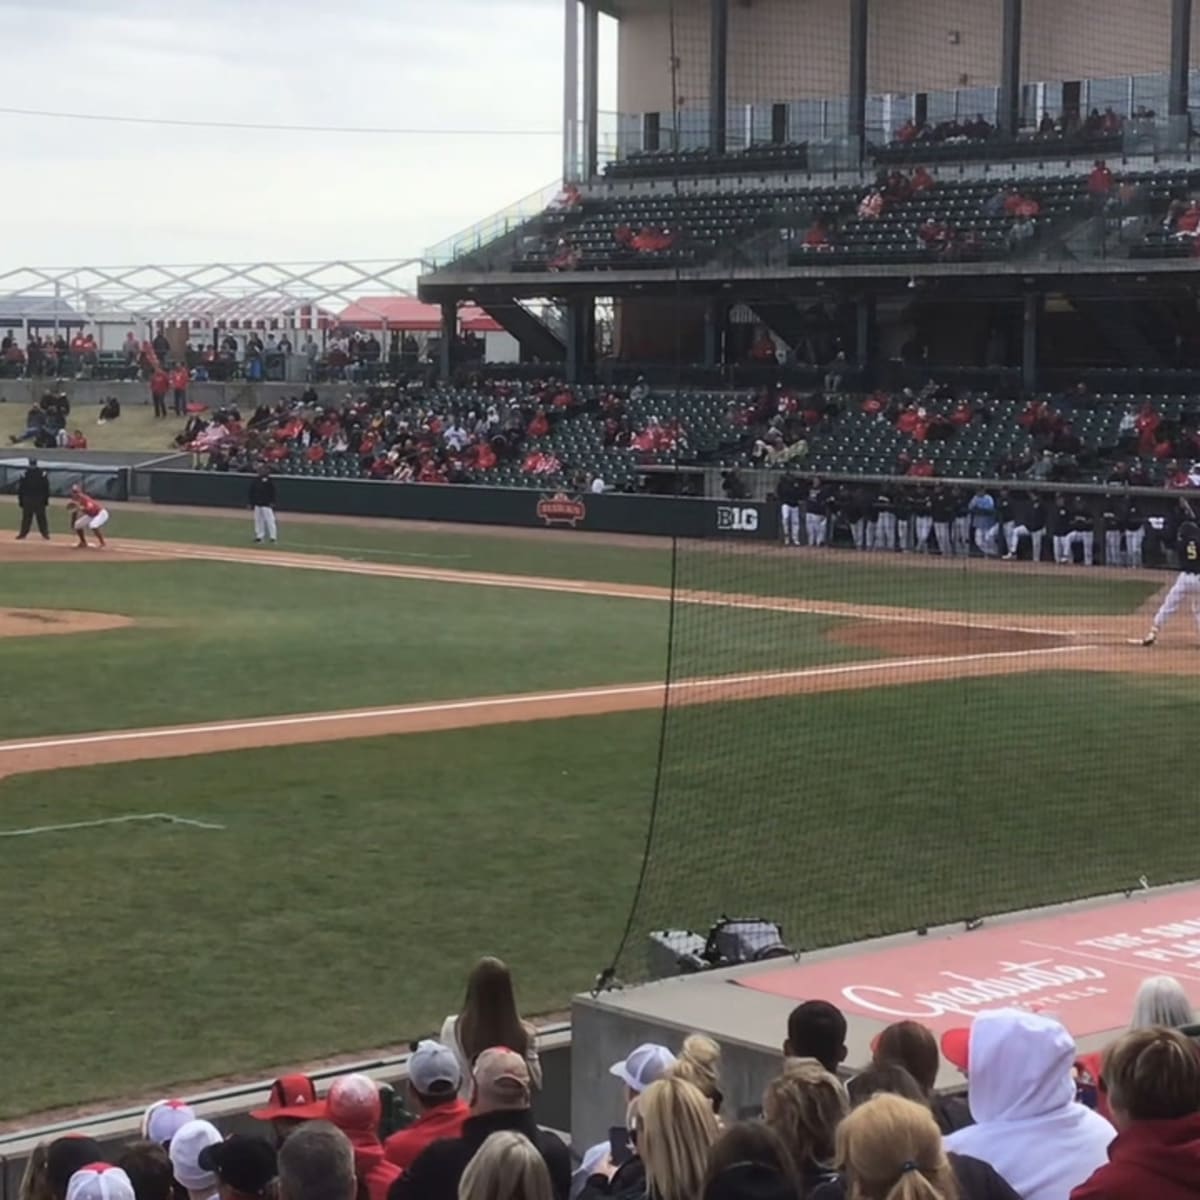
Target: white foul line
(532, 698)
(168, 817)
(583, 587)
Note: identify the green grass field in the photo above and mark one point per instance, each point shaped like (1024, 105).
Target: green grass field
(353, 883)
(570, 556)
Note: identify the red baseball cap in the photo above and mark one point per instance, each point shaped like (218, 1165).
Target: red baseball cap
(290, 1095)
(352, 1103)
(956, 1045)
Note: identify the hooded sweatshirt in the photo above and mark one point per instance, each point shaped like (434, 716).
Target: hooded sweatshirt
(1159, 1159)
(1028, 1124)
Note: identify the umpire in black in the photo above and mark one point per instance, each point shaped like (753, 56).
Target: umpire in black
(33, 495)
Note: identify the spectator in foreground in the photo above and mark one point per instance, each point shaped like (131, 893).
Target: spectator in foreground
(643, 1066)
(245, 1167)
(289, 1098)
(890, 1149)
(750, 1158)
(506, 1167)
(804, 1105)
(676, 1129)
(1029, 1125)
(817, 1029)
(65, 1156)
(317, 1163)
(164, 1119)
(434, 1079)
(699, 1063)
(502, 1091)
(186, 1147)
(35, 1182)
(1153, 1080)
(353, 1105)
(100, 1181)
(148, 1166)
(913, 1047)
(489, 1017)
(1161, 1001)
(976, 1179)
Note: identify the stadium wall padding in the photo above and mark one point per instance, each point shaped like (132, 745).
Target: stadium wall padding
(659, 516)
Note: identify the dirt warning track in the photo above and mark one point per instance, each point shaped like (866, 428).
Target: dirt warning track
(916, 646)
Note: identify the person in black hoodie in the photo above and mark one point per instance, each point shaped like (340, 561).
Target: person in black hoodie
(889, 1135)
(501, 1101)
(788, 492)
(1060, 530)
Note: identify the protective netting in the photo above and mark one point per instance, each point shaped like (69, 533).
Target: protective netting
(864, 742)
(889, 726)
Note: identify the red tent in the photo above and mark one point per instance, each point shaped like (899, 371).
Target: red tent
(408, 315)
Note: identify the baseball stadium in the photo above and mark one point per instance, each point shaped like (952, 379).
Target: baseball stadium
(760, 567)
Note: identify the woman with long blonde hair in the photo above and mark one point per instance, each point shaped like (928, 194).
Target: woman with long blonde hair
(508, 1166)
(891, 1149)
(676, 1128)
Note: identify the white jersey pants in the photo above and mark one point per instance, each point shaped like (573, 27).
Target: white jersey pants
(1185, 590)
(264, 523)
(791, 524)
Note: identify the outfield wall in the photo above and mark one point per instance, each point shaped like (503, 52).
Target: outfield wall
(662, 516)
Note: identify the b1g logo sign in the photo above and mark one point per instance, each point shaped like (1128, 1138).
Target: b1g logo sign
(732, 519)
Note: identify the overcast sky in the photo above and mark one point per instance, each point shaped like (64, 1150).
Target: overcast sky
(89, 193)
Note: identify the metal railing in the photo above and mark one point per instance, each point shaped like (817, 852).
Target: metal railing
(491, 228)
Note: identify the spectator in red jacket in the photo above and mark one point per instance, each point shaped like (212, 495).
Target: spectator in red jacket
(922, 181)
(160, 383)
(817, 237)
(180, 378)
(1100, 182)
(353, 1105)
(434, 1078)
(1153, 1081)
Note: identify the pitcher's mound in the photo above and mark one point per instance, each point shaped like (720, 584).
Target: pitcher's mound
(37, 622)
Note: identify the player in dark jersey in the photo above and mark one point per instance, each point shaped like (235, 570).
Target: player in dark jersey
(1187, 586)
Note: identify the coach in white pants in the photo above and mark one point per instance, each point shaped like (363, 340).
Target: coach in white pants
(262, 501)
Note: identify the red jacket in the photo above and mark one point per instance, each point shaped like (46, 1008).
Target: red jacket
(374, 1171)
(180, 377)
(1151, 1160)
(159, 383)
(443, 1121)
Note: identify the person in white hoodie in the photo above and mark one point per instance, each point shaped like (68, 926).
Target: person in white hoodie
(1028, 1124)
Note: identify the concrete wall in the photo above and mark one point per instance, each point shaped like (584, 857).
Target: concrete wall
(793, 49)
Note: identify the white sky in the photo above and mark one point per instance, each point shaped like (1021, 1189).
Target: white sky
(89, 193)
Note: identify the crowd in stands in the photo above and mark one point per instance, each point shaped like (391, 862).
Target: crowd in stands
(1039, 1121)
(411, 435)
(1093, 128)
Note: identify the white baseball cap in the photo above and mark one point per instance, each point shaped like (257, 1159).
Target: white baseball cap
(185, 1150)
(100, 1181)
(164, 1119)
(644, 1066)
(433, 1069)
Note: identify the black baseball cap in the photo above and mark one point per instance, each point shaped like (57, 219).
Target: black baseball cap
(246, 1164)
